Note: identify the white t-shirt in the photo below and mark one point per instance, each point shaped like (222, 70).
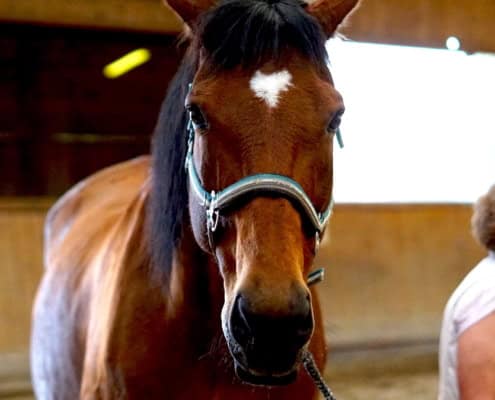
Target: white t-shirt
(471, 301)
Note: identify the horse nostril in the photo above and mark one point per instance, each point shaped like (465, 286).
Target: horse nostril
(240, 321)
(294, 325)
(304, 327)
(242, 308)
(300, 303)
(301, 316)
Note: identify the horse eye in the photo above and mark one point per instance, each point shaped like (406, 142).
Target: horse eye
(335, 122)
(197, 116)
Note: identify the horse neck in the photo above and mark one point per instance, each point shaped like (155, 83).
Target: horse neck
(191, 298)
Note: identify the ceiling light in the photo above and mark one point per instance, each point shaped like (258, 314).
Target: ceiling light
(126, 63)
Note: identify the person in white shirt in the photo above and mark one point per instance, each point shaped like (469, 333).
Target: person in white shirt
(467, 339)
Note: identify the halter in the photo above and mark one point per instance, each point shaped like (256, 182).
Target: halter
(216, 202)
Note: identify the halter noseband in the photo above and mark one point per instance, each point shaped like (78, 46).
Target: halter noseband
(215, 202)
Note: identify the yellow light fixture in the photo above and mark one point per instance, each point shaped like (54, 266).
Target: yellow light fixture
(126, 63)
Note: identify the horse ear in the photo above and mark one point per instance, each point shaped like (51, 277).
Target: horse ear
(189, 10)
(331, 13)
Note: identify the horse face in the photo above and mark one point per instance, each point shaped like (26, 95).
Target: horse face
(279, 118)
(253, 117)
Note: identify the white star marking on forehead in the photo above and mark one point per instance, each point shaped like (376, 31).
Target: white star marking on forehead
(269, 86)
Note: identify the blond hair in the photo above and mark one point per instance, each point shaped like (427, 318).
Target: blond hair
(483, 220)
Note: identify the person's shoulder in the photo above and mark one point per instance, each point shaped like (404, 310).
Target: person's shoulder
(482, 276)
(474, 298)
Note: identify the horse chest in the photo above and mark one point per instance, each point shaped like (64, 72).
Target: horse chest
(208, 380)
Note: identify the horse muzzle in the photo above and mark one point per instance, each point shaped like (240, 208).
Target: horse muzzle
(267, 349)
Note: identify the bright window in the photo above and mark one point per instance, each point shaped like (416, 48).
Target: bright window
(419, 123)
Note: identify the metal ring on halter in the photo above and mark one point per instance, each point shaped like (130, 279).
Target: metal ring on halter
(315, 276)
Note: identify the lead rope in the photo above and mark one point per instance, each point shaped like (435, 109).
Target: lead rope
(312, 370)
(308, 359)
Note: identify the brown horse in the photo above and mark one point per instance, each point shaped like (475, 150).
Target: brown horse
(165, 282)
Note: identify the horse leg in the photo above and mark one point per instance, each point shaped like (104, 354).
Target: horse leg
(55, 354)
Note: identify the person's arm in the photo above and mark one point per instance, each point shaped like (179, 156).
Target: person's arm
(476, 360)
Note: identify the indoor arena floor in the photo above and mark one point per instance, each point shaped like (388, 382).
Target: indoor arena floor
(389, 387)
(421, 386)
(384, 375)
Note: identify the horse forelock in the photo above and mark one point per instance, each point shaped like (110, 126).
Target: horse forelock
(250, 33)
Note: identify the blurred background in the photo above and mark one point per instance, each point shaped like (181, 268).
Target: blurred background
(81, 83)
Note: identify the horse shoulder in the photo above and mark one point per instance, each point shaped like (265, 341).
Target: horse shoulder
(77, 229)
(91, 207)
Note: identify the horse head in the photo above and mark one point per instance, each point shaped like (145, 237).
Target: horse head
(262, 105)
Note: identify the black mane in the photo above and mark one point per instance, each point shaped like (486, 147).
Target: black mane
(169, 196)
(234, 33)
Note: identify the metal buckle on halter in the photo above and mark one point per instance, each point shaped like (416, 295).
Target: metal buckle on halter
(212, 219)
(212, 214)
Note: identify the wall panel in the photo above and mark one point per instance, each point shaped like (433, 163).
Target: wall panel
(21, 222)
(425, 23)
(390, 270)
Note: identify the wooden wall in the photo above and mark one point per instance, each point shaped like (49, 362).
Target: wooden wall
(425, 23)
(414, 22)
(390, 270)
(134, 15)
(60, 118)
(21, 237)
